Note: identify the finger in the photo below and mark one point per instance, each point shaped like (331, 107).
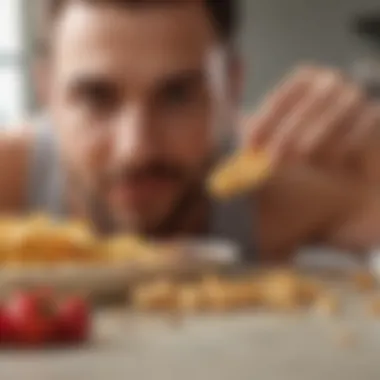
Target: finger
(367, 130)
(358, 130)
(323, 92)
(363, 145)
(278, 104)
(334, 151)
(245, 130)
(327, 131)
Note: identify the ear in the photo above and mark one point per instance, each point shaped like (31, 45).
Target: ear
(41, 73)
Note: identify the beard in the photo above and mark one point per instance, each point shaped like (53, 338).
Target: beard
(190, 199)
(106, 222)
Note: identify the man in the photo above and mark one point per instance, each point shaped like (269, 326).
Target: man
(142, 94)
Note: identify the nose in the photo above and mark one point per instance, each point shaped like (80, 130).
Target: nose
(134, 138)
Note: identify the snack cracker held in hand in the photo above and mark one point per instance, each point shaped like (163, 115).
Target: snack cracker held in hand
(239, 173)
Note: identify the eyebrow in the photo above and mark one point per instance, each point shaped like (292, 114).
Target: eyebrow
(99, 81)
(193, 76)
(93, 81)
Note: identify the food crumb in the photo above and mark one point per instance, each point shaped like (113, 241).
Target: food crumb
(364, 281)
(156, 296)
(190, 299)
(328, 304)
(374, 307)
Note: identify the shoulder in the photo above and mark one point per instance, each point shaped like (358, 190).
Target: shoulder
(15, 150)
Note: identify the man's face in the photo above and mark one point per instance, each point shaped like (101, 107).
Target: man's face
(137, 95)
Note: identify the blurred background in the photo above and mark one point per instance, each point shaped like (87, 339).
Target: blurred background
(275, 35)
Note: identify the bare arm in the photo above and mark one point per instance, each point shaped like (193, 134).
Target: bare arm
(14, 156)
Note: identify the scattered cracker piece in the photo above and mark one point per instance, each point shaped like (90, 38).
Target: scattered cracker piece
(240, 295)
(215, 294)
(281, 290)
(328, 304)
(250, 293)
(310, 291)
(364, 281)
(156, 296)
(374, 307)
(190, 299)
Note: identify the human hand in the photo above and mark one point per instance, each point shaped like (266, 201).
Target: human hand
(322, 136)
(318, 117)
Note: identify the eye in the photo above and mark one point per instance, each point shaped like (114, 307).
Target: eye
(97, 96)
(100, 96)
(177, 94)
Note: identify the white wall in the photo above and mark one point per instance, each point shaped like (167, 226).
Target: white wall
(278, 34)
(12, 100)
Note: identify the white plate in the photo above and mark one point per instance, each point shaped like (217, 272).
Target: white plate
(207, 251)
(90, 279)
(325, 258)
(374, 261)
(95, 279)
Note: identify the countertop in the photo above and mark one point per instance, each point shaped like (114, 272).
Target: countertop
(241, 346)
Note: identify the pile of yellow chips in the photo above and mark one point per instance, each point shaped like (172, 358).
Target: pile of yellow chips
(38, 240)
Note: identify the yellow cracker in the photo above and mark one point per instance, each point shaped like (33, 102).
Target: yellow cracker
(239, 173)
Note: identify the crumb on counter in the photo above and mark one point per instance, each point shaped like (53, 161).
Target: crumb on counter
(374, 307)
(364, 281)
(328, 304)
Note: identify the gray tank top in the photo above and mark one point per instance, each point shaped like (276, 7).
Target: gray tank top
(230, 221)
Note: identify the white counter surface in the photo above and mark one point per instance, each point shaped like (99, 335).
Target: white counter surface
(243, 346)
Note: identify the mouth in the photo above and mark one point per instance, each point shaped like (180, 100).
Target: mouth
(141, 190)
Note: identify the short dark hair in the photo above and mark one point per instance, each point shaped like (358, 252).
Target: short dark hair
(224, 13)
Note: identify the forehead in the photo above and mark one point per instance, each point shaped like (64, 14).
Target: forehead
(140, 42)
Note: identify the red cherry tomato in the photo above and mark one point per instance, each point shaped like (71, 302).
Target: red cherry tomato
(2, 326)
(32, 318)
(7, 333)
(74, 320)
